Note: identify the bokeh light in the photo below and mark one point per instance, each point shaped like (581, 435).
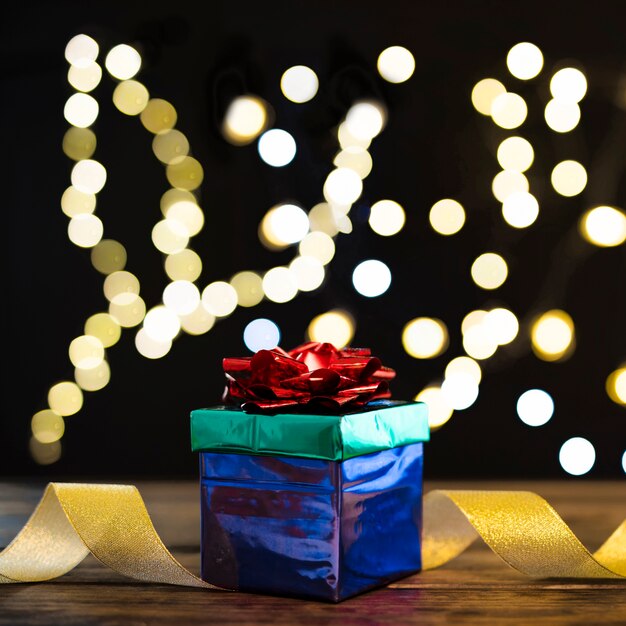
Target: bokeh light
(355, 158)
(535, 407)
(371, 278)
(45, 453)
(86, 352)
(118, 283)
(130, 97)
(485, 92)
(336, 327)
(85, 230)
(577, 456)
(249, 288)
(149, 347)
(170, 146)
(502, 324)
(489, 270)
(161, 324)
(616, 386)
(318, 245)
(520, 209)
(65, 398)
(261, 334)
(425, 337)
(123, 62)
(464, 365)
(524, 60)
(95, 378)
(348, 140)
(47, 426)
(299, 84)
(283, 225)
(128, 309)
(169, 236)
(81, 51)
(507, 182)
(280, 285)
(308, 271)
(386, 218)
(183, 265)
(568, 85)
(561, 116)
(343, 186)
(158, 116)
(79, 143)
(245, 119)
(182, 297)
(569, 178)
(103, 327)
(478, 342)
(366, 119)
(189, 214)
(108, 256)
(88, 176)
(219, 299)
(439, 411)
(447, 216)
(396, 64)
(459, 391)
(552, 335)
(186, 173)
(75, 202)
(322, 218)
(81, 110)
(509, 110)
(198, 322)
(515, 153)
(604, 226)
(85, 78)
(277, 147)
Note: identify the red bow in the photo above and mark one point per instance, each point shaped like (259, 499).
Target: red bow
(311, 375)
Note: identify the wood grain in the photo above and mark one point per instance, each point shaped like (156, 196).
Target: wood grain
(476, 589)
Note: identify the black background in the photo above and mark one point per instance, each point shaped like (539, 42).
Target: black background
(434, 145)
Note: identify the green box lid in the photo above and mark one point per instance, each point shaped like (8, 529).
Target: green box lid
(379, 426)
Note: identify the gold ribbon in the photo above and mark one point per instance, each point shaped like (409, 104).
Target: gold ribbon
(112, 523)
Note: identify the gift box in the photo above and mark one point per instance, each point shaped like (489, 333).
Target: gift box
(321, 500)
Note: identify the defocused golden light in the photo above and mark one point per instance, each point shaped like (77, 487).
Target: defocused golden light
(552, 335)
(299, 84)
(249, 288)
(131, 97)
(172, 196)
(447, 216)
(161, 324)
(219, 298)
(108, 256)
(65, 398)
(355, 158)
(371, 278)
(520, 209)
(569, 178)
(246, 118)
(322, 218)
(562, 116)
(183, 265)
(396, 64)
(502, 324)
(120, 282)
(189, 214)
(386, 218)
(149, 347)
(123, 62)
(464, 365)
(485, 92)
(86, 352)
(318, 245)
(460, 390)
(348, 140)
(47, 426)
(81, 50)
(616, 386)
(75, 202)
(568, 85)
(425, 337)
(170, 146)
(342, 186)
(84, 78)
(198, 322)
(507, 182)
(128, 309)
(509, 110)
(308, 272)
(473, 318)
(185, 174)
(93, 379)
(604, 226)
(169, 236)
(515, 153)
(158, 116)
(79, 143)
(439, 412)
(336, 327)
(489, 270)
(88, 176)
(283, 225)
(478, 342)
(524, 60)
(105, 328)
(81, 110)
(279, 285)
(277, 147)
(85, 230)
(366, 119)
(44, 453)
(182, 297)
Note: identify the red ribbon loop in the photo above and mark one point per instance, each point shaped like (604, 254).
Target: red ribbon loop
(311, 375)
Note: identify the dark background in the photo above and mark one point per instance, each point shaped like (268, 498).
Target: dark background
(435, 145)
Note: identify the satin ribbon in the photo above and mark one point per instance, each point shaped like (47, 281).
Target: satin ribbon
(313, 375)
(112, 523)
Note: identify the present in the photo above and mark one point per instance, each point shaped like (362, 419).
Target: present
(311, 477)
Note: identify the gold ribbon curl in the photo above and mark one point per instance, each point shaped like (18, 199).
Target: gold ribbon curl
(112, 523)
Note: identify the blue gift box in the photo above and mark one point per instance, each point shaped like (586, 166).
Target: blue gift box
(322, 528)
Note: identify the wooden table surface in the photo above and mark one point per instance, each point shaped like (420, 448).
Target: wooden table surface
(477, 588)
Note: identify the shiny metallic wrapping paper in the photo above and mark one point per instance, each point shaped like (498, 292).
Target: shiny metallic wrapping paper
(311, 528)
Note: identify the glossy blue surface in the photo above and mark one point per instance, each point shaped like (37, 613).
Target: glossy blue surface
(308, 527)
